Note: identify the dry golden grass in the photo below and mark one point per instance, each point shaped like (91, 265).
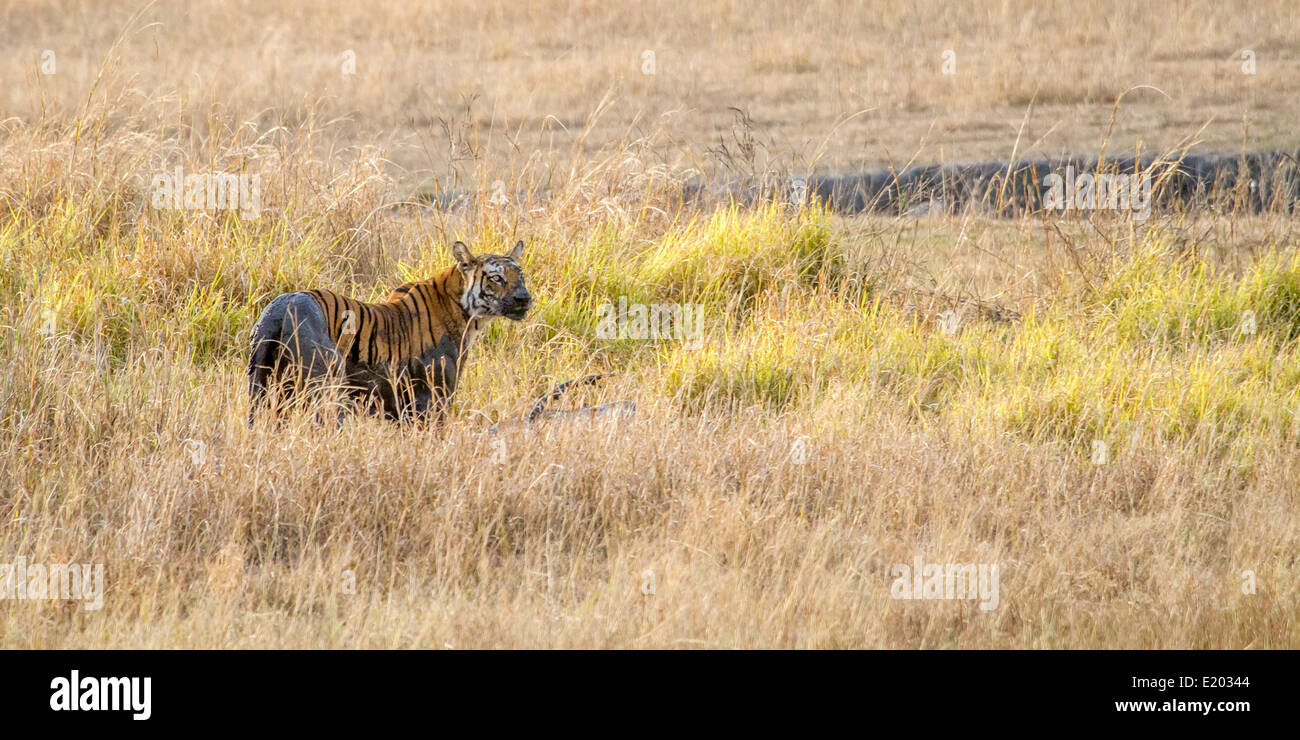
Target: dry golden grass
(828, 428)
(828, 84)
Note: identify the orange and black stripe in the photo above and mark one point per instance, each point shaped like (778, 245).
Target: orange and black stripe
(396, 331)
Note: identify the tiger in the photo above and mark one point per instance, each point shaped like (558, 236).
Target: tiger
(400, 357)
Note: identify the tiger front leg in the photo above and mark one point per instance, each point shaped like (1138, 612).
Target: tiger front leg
(423, 403)
(428, 389)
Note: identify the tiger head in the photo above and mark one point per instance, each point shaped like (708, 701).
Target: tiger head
(493, 283)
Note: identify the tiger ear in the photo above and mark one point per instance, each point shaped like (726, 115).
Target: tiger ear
(517, 252)
(464, 257)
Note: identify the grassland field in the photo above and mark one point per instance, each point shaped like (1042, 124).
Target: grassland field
(1103, 407)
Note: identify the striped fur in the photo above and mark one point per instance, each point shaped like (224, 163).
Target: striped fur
(401, 356)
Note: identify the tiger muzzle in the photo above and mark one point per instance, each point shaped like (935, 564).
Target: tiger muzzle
(518, 306)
